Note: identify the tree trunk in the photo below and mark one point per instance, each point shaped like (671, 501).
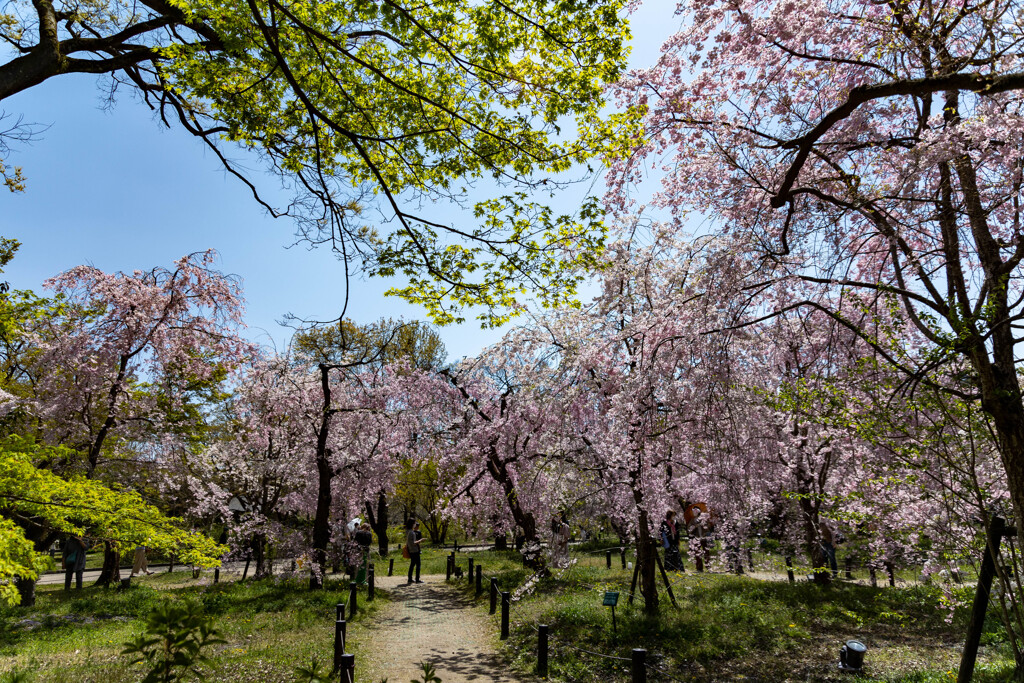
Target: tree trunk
(259, 553)
(531, 549)
(26, 590)
(648, 567)
(321, 523)
(111, 571)
(325, 473)
(379, 522)
(809, 512)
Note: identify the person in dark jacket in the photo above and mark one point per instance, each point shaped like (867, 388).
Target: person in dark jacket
(669, 533)
(413, 538)
(72, 561)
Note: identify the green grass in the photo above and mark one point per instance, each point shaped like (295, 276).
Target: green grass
(271, 626)
(739, 628)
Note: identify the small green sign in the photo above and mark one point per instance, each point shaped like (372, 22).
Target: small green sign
(611, 598)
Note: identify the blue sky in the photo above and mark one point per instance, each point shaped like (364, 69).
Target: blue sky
(114, 188)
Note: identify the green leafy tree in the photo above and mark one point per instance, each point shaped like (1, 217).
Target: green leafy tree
(381, 104)
(34, 497)
(384, 342)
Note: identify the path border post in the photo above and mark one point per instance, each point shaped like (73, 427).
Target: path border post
(494, 595)
(339, 642)
(608, 559)
(789, 569)
(391, 567)
(638, 665)
(479, 579)
(348, 669)
(542, 650)
(352, 600)
(506, 601)
(469, 574)
(340, 611)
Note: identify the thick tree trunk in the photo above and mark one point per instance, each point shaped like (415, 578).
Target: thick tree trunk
(325, 474)
(379, 522)
(259, 553)
(321, 523)
(111, 571)
(647, 563)
(531, 550)
(26, 590)
(809, 513)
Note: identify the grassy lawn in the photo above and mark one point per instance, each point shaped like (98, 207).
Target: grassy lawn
(270, 627)
(726, 627)
(740, 628)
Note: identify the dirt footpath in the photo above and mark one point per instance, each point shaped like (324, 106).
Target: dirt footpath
(430, 622)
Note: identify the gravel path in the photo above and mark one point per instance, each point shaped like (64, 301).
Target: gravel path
(431, 622)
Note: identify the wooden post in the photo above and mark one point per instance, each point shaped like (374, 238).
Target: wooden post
(216, 575)
(996, 527)
(369, 582)
(494, 596)
(849, 568)
(639, 666)
(479, 579)
(448, 569)
(469, 574)
(340, 611)
(542, 650)
(664, 577)
(348, 669)
(339, 642)
(391, 566)
(622, 556)
(789, 569)
(353, 604)
(608, 558)
(506, 602)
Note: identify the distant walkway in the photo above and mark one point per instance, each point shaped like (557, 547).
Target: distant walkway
(431, 622)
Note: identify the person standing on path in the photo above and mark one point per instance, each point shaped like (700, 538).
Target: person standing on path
(72, 561)
(141, 564)
(413, 538)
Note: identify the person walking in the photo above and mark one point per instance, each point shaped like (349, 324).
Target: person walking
(72, 561)
(413, 538)
(141, 564)
(670, 541)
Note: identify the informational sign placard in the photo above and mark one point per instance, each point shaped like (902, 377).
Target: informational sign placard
(611, 598)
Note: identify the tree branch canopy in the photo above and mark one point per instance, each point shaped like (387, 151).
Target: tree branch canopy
(362, 105)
